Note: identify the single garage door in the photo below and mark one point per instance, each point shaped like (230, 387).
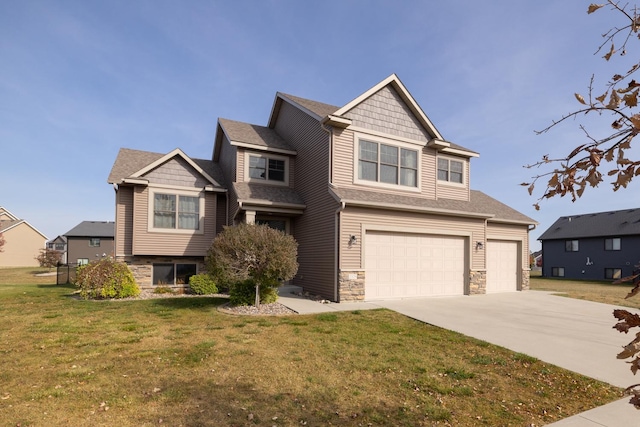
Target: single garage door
(502, 266)
(403, 265)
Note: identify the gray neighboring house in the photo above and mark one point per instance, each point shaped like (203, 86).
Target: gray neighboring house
(90, 241)
(59, 244)
(592, 246)
(379, 202)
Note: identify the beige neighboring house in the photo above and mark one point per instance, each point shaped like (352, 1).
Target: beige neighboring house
(22, 241)
(378, 200)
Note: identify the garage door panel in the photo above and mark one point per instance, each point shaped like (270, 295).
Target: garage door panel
(401, 265)
(502, 266)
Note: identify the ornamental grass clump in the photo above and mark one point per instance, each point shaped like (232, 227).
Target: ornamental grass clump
(106, 279)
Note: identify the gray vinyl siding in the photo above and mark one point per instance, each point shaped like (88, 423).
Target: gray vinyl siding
(124, 221)
(386, 112)
(78, 247)
(575, 263)
(170, 244)
(353, 219)
(221, 212)
(176, 172)
(315, 229)
(513, 232)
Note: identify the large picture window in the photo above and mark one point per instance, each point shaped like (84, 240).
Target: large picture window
(387, 164)
(267, 168)
(176, 211)
(450, 170)
(172, 274)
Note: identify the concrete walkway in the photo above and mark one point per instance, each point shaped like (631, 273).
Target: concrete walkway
(574, 334)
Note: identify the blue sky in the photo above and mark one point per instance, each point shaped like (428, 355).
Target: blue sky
(81, 79)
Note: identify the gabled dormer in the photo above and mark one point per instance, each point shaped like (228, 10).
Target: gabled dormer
(388, 143)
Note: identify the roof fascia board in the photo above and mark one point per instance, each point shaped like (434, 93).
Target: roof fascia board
(263, 148)
(457, 152)
(404, 93)
(277, 104)
(167, 157)
(257, 202)
(5, 210)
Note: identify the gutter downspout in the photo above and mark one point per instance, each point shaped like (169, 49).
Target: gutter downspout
(336, 256)
(337, 251)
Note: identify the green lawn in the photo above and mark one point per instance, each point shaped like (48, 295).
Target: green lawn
(604, 292)
(181, 362)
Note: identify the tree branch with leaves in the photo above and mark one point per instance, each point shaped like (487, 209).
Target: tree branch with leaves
(583, 166)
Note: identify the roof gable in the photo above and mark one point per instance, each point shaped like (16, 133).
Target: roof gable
(612, 223)
(132, 165)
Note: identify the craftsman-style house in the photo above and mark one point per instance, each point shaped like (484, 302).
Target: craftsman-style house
(378, 201)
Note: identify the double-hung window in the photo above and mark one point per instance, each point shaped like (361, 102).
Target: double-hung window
(94, 242)
(450, 170)
(571, 246)
(176, 211)
(387, 164)
(612, 244)
(267, 168)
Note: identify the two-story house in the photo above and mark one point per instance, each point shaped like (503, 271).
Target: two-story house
(90, 241)
(22, 241)
(379, 202)
(593, 246)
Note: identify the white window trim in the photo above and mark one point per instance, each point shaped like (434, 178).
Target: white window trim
(465, 178)
(247, 176)
(394, 143)
(172, 190)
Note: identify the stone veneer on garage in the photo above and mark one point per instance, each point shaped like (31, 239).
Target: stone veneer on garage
(351, 286)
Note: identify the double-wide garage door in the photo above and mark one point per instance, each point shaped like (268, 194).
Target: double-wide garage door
(403, 265)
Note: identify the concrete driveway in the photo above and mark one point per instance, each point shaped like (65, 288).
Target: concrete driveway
(573, 334)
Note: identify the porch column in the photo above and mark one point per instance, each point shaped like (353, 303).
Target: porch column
(250, 217)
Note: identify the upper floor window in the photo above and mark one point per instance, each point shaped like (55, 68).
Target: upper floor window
(59, 246)
(267, 168)
(450, 170)
(612, 244)
(571, 246)
(387, 164)
(176, 211)
(94, 242)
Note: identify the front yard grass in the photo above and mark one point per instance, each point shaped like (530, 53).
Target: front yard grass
(598, 291)
(180, 362)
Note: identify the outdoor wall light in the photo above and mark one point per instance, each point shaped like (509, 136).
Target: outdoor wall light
(479, 245)
(352, 240)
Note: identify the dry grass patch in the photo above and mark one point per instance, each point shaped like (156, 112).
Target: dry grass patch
(604, 292)
(182, 362)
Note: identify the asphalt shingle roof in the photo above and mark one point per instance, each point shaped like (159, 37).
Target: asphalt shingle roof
(612, 223)
(479, 204)
(92, 229)
(270, 193)
(131, 161)
(319, 108)
(253, 134)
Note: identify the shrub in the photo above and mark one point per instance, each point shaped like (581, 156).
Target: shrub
(244, 293)
(202, 284)
(256, 252)
(106, 279)
(163, 290)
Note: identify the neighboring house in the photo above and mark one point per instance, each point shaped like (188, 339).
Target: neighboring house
(59, 244)
(536, 258)
(378, 201)
(594, 246)
(22, 241)
(90, 241)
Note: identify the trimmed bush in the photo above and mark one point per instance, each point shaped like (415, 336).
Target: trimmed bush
(202, 284)
(244, 293)
(106, 279)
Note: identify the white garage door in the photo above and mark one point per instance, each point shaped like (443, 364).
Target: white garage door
(502, 266)
(402, 265)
